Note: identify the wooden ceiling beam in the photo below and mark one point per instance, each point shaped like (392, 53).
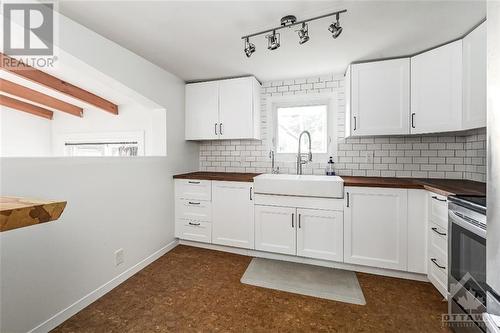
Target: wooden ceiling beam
(25, 71)
(25, 107)
(17, 90)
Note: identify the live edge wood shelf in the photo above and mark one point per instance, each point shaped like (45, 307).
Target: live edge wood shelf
(21, 212)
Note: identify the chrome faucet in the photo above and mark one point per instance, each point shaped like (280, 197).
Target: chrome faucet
(274, 170)
(301, 161)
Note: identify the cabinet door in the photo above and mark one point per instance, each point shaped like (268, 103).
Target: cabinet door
(474, 88)
(275, 229)
(417, 231)
(236, 111)
(436, 90)
(232, 214)
(375, 227)
(320, 234)
(348, 107)
(202, 111)
(380, 97)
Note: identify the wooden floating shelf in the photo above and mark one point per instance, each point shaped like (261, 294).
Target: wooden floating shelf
(21, 212)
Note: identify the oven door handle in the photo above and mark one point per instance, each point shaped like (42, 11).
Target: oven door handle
(458, 220)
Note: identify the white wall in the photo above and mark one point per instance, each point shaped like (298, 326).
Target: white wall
(22, 134)
(112, 202)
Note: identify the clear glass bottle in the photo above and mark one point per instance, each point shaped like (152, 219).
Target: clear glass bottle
(330, 169)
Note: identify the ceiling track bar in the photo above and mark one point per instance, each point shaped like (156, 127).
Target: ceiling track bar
(294, 24)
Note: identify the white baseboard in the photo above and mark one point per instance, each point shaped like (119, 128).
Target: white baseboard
(318, 262)
(85, 301)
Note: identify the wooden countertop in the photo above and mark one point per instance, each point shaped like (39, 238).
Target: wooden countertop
(441, 186)
(221, 176)
(21, 212)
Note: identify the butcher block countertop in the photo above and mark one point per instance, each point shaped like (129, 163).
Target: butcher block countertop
(22, 212)
(221, 176)
(440, 186)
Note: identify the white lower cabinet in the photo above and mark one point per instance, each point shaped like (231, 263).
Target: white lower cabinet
(320, 234)
(193, 230)
(275, 229)
(437, 263)
(375, 227)
(310, 233)
(233, 214)
(417, 231)
(388, 228)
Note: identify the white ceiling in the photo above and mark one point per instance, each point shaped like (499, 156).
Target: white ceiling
(198, 40)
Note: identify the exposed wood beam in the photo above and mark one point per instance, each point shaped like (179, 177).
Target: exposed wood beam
(16, 67)
(15, 89)
(25, 107)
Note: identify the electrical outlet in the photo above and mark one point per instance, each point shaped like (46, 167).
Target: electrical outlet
(369, 157)
(119, 257)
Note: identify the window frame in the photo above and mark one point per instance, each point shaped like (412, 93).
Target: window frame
(328, 99)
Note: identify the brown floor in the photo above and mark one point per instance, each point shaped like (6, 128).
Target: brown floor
(195, 290)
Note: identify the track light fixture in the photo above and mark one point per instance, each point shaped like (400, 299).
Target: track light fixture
(273, 39)
(335, 28)
(249, 47)
(303, 33)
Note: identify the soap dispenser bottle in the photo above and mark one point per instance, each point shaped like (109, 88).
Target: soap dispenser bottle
(330, 170)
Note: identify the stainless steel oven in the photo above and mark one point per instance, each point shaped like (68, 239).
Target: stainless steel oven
(467, 263)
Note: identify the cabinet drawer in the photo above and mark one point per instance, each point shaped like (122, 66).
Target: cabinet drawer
(196, 210)
(193, 189)
(438, 210)
(438, 272)
(438, 240)
(193, 230)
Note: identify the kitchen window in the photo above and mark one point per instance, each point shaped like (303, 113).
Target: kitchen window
(292, 115)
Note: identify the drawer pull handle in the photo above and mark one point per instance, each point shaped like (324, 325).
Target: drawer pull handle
(436, 198)
(299, 220)
(194, 203)
(293, 215)
(191, 223)
(192, 182)
(435, 263)
(437, 232)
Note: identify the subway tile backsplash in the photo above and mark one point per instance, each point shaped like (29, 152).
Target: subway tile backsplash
(457, 156)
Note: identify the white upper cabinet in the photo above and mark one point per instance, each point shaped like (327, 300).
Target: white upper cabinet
(474, 78)
(436, 90)
(239, 108)
(223, 109)
(233, 214)
(202, 111)
(375, 227)
(380, 97)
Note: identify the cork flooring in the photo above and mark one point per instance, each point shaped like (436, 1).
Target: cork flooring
(198, 290)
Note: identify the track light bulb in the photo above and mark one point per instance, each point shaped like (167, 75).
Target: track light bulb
(273, 41)
(303, 33)
(249, 47)
(335, 28)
